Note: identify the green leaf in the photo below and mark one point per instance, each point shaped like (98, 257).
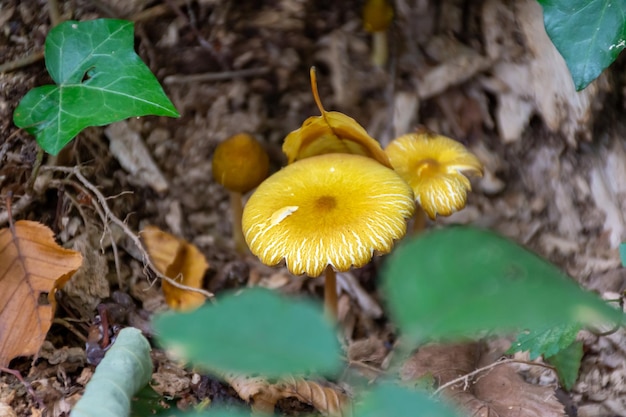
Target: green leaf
(256, 331)
(100, 80)
(567, 364)
(546, 342)
(589, 34)
(391, 400)
(211, 412)
(125, 369)
(458, 281)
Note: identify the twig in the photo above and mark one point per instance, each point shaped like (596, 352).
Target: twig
(22, 62)
(102, 216)
(68, 326)
(35, 171)
(53, 11)
(156, 11)
(216, 76)
(16, 208)
(135, 239)
(465, 378)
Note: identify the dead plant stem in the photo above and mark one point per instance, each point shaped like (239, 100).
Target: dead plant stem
(102, 200)
(35, 171)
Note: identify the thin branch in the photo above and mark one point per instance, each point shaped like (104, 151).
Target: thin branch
(22, 62)
(131, 235)
(216, 76)
(465, 378)
(53, 11)
(16, 208)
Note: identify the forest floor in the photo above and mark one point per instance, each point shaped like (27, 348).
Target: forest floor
(483, 73)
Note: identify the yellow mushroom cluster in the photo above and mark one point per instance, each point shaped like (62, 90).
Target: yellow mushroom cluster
(342, 198)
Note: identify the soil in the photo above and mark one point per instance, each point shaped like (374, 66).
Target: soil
(555, 185)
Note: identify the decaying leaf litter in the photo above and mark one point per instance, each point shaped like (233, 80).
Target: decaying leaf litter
(476, 72)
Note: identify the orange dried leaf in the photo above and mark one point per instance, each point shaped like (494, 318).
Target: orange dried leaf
(332, 132)
(31, 264)
(180, 260)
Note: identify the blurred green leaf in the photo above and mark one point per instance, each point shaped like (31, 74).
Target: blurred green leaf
(100, 80)
(210, 412)
(622, 253)
(546, 342)
(392, 400)
(255, 331)
(590, 34)
(459, 281)
(567, 364)
(125, 369)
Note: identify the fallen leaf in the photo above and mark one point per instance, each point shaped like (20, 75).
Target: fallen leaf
(499, 391)
(332, 132)
(263, 395)
(508, 395)
(31, 265)
(328, 399)
(255, 390)
(179, 260)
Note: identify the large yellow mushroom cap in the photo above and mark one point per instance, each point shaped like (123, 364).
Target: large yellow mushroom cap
(434, 167)
(331, 209)
(240, 163)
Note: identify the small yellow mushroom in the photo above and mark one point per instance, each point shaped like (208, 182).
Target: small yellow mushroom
(377, 16)
(435, 167)
(240, 164)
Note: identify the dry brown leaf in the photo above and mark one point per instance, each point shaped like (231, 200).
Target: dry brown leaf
(179, 260)
(498, 391)
(31, 264)
(256, 391)
(508, 395)
(263, 395)
(327, 399)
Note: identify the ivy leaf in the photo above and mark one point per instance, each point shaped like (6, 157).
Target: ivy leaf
(567, 364)
(589, 34)
(546, 342)
(255, 331)
(622, 253)
(456, 282)
(100, 80)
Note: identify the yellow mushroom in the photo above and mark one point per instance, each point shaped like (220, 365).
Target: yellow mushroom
(435, 168)
(327, 213)
(240, 164)
(377, 16)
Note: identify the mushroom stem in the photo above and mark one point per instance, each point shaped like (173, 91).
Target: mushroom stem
(379, 48)
(419, 219)
(236, 210)
(330, 292)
